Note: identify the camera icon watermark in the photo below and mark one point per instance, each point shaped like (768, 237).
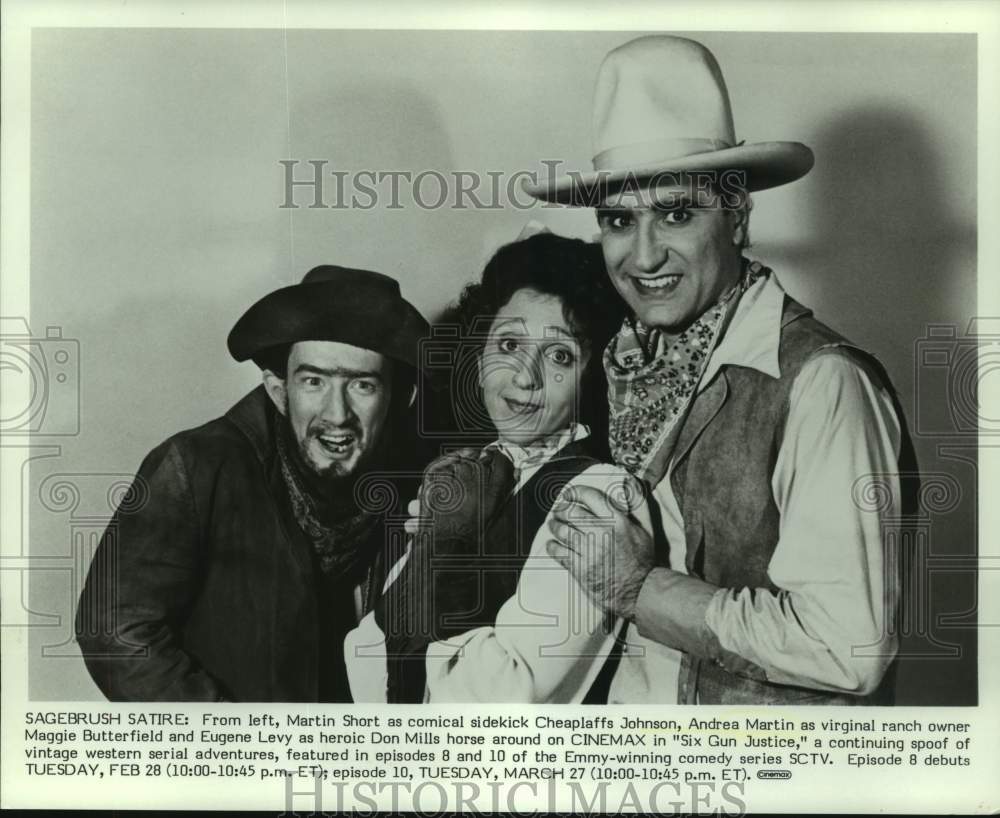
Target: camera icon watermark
(449, 357)
(492, 385)
(41, 381)
(951, 375)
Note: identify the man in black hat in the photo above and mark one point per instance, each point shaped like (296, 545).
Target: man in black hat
(244, 551)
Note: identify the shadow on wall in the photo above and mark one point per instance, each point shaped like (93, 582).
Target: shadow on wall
(890, 254)
(372, 134)
(134, 395)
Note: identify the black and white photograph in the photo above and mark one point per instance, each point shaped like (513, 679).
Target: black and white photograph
(412, 376)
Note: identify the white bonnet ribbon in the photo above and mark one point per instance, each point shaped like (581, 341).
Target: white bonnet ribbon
(532, 228)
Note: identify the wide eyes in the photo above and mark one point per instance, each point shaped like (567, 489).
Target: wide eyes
(679, 216)
(559, 354)
(619, 220)
(616, 221)
(364, 387)
(359, 386)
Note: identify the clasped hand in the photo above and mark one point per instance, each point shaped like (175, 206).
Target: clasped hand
(460, 495)
(597, 538)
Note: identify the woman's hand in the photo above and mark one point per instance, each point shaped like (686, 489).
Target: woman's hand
(414, 521)
(461, 493)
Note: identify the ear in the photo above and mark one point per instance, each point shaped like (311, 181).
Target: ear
(275, 387)
(479, 369)
(741, 218)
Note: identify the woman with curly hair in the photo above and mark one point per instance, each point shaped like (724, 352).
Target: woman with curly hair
(477, 610)
(558, 275)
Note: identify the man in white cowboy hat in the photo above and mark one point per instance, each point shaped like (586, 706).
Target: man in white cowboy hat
(752, 424)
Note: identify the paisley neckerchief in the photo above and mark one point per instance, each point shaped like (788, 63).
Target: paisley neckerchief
(651, 381)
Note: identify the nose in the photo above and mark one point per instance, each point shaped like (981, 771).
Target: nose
(528, 375)
(337, 409)
(649, 252)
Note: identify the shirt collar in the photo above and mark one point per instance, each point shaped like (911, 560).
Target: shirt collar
(541, 451)
(752, 338)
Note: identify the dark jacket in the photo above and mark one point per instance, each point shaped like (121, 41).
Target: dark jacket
(203, 586)
(440, 597)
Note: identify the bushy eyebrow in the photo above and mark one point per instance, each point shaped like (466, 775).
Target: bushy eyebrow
(680, 201)
(519, 324)
(611, 212)
(339, 371)
(673, 202)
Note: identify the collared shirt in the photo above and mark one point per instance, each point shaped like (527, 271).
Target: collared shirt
(825, 628)
(486, 664)
(529, 459)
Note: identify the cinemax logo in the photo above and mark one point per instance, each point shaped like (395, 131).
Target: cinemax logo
(774, 774)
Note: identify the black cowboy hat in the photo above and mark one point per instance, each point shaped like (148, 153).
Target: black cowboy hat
(356, 307)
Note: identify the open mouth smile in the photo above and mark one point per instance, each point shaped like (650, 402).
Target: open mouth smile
(657, 285)
(520, 407)
(337, 444)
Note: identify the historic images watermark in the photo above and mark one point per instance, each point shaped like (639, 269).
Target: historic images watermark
(531, 797)
(950, 363)
(950, 366)
(317, 185)
(41, 381)
(41, 405)
(453, 361)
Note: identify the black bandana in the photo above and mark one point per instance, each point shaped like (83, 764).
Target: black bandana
(335, 526)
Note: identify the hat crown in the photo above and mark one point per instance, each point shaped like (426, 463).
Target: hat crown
(332, 303)
(659, 96)
(661, 107)
(351, 277)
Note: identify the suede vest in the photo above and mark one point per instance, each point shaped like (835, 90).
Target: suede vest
(493, 564)
(723, 464)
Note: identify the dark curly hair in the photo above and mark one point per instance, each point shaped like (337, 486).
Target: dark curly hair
(573, 271)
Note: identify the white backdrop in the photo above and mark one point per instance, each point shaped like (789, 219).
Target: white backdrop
(155, 216)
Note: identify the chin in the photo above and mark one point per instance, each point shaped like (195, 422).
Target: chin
(515, 434)
(335, 469)
(667, 320)
(524, 435)
(347, 468)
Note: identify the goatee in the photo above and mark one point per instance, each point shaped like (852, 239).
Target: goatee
(327, 485)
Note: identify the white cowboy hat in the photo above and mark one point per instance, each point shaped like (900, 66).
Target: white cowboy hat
(661, 106)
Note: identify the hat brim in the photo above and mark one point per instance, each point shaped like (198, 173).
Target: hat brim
(329, 311)
(764, 165)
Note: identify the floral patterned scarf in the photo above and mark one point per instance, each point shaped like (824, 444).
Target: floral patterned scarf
(651, 381)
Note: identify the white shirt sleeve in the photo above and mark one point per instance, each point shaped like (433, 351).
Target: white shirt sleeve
(365, 651)
(549, 641)
(827, 626)
(364, 655)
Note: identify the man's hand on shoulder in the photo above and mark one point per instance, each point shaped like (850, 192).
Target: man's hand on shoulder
(597, 538)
